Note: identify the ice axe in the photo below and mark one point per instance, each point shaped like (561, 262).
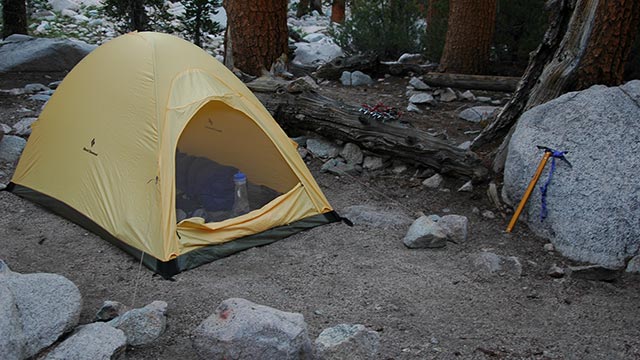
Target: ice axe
(548, 153)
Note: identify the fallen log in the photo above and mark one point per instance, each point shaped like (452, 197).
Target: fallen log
(297, 107)
(473, 82)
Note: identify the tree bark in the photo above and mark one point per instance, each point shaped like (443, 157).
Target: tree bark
(593, 49)
(613, 35)
(337, 11)
(560, 16)
(473, 82)
(307, 6)
(469, 35)
(258, 33)
(14, 17)
(296, 107)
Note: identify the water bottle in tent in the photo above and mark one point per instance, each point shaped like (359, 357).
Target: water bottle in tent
(240, 198)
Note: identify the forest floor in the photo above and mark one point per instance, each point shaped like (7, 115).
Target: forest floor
(426, 304)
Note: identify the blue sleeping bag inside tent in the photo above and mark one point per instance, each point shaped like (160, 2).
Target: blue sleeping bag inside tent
(205, 182)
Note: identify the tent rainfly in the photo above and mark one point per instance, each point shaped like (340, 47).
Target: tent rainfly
(140, 144)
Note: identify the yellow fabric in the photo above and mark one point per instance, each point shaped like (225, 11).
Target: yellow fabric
(105, 144)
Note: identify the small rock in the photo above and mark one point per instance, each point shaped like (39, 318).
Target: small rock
(40, 97)
(399, 168)
(300, 140)
(373, 163)
(475, 211)
(488, 214)
(5, 129)
(467, 187)
(338, 167)
(633, 266)
(433, 182)
(418, 84)
(368, 215)
(425, 233)
(477, 114)
(454, 227)
(346, 341)
(490, 263)
(345, 78)
(468, 95)
(303, 152)
(549, 247)
(483, 99)
(34, 88)
(111, 310)
(465, 145)
(323, 148)
(23, 127)
(144, 325)
(594, 272)
(496, 102)
(68, 13)
(413, 108)
(242, 330)
(555, 271)
(352, 154)
(410, 58)
(422, 98)
(358, 78)
(314, 37)
(93, 341)
(448, 95)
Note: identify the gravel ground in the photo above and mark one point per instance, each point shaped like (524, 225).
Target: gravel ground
(426, 304)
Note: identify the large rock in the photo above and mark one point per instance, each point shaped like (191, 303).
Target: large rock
(425, 233)
(11, 147)
(144, 325)
(12, 340)
(593, 212)
(477, 114)
(347, 341)
(29, 54)
(48, 306)
(240, 329)
(369, 215)
(316, 53)
(61, 5)
(97, 341)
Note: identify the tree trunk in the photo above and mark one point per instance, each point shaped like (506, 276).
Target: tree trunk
(582, 52)
(473, 82)
(469, 35)
(613, 35)
(14, 17)
(297, 107)
(337, 11)
(303, 8)
(258, 33)
(139, 19)
(307, 6)
(559, 20)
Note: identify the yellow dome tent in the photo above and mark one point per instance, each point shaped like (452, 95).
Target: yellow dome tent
(103, 154)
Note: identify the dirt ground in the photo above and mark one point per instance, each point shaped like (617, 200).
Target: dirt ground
(426, 304)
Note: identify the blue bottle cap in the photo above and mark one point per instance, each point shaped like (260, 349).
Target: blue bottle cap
(240, 176)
